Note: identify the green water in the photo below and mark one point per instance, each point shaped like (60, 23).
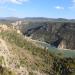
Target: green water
(58, 52)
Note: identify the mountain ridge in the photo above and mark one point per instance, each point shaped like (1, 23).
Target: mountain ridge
(38, 19)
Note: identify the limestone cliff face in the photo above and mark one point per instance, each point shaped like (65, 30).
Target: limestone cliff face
(67, 45)
(62, 45)
(59, 34)
(67, 33)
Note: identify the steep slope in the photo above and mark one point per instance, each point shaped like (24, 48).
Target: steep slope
(23, 57)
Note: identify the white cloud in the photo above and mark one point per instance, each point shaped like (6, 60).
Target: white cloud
(7, 9)
(73, 4)
(10, 11)
(59, 7)
(73, 1)
(14, 1)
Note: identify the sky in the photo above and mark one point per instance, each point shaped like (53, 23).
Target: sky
(38, 8)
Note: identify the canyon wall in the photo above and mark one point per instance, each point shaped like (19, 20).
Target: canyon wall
(58, 34)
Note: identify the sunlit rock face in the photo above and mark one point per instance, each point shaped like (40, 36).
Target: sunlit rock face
(62, 45)
(67, 33)
(67, 44)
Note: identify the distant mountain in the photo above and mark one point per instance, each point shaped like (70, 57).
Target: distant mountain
(48, 19)
(10, 18)
(37, 19)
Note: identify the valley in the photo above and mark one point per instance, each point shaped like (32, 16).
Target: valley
(37, 46)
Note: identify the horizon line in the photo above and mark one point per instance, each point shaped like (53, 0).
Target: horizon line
(37, 17)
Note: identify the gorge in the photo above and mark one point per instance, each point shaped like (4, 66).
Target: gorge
(57, 34)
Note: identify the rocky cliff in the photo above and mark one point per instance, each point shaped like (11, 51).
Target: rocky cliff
(54, 33)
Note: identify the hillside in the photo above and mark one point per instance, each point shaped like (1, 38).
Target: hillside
(21, 56)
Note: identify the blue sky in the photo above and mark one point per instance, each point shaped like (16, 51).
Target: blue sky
(38, 8)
